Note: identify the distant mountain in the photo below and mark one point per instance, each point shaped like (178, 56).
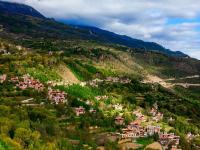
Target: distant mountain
(49, 28)
(17, 8)
(110, 37)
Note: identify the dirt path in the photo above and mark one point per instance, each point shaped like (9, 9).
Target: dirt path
(156, 79)
(186, 85)
(187, 77)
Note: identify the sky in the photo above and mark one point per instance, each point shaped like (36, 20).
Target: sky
(175, 24)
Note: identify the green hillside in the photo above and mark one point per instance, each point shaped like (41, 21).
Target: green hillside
(40, 124)
(39, 100)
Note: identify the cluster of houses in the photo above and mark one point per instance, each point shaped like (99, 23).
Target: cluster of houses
(28, 82)
(92, 110)
(58, 83)
(4, 52)
(14, 79)
(151, 130)
(95, 82)
(136, 129)
(7, 49)
(3, 78)
(118, 107)
(81, 110)
(133, 132)
(139, 116)
(103, 97)
(119, 120)
(167, 139)
(157, 116)
(88, 102)
(118, 80)
(56, 96)
(191, 136)
(25, 82)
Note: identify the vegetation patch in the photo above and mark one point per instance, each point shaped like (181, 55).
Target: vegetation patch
(43, 74)
(144, 141)
(80, 92)
(3, 146)
(81, 71)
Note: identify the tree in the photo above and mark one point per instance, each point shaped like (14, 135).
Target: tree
(23, 136)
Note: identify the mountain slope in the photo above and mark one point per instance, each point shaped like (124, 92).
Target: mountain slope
(71, 31)
(48, 35)
(32, 113)
(17, 8)
(110, 37)
(65, 87)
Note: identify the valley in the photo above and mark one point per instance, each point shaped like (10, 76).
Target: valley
(63, 88)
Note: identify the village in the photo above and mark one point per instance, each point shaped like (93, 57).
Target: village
(142, 126)
(137, 128)
(26, 81)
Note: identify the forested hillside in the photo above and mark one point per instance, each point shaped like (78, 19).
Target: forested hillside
(62, 89)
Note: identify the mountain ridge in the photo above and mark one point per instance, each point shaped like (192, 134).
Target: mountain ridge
(91, 33)
(137, 43)
(19, 8)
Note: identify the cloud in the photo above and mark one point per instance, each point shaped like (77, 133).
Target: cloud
(172, 23)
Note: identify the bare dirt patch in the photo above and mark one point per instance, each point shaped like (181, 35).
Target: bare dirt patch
(129, 145)
(155, 146)
(155, 79)
(66, 74)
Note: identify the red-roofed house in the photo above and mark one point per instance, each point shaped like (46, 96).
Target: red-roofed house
(3, 78)
(119, 120)
(79, 111)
